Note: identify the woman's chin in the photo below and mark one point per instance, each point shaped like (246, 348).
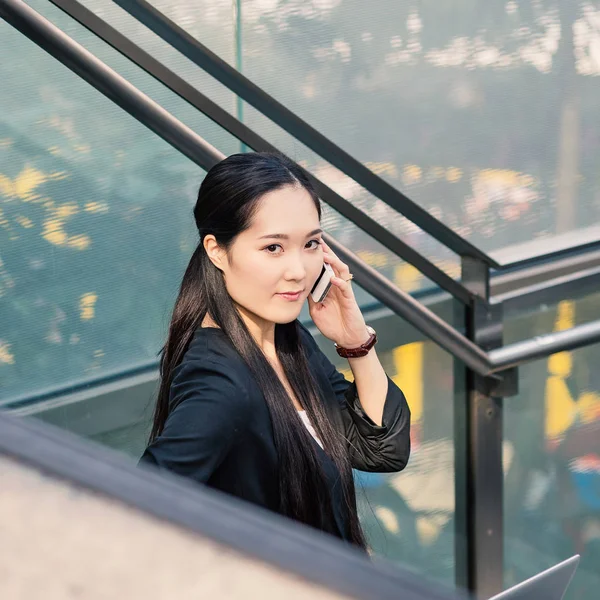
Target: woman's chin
(287, 316)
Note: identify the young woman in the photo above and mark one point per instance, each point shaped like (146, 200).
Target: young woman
(248, 403)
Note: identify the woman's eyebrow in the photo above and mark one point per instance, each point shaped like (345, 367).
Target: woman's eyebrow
(283, 236)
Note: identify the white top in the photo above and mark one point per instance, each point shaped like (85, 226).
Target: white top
(308, 426)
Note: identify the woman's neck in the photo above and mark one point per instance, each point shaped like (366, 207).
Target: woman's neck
(262, 331)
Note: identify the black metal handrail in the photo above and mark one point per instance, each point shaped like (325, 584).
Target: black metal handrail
(483, 363)
(200, 55)
(544, 345)
(251, 139)
(149, 113)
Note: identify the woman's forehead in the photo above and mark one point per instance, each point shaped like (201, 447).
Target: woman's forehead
(289, 211)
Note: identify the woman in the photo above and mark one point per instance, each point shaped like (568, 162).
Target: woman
(248, 403)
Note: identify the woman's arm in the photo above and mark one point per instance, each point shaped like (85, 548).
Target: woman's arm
(377, 445)
(208, 411)
(371, 384)
(381, 446)
(377, 426)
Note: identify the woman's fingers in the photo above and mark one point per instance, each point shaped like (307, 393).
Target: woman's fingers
(341, 268)
(343, 286)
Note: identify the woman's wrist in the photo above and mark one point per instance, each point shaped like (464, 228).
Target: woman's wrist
(355, 340)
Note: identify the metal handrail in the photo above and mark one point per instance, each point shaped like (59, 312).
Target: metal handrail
(250, 138)
(149, 113)
(445, 336)
(544, 345)
(210, 62)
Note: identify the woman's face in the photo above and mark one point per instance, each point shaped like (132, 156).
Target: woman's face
(280, 253)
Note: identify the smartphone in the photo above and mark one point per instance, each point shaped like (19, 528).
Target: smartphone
(323, 283)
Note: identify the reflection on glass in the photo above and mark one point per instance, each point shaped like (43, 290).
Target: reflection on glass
(552, 483)
(487, 118)
(95, 227)
(409, 516)
(544, 318)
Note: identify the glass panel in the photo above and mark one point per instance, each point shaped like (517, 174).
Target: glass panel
(482, 112)
(552, 483)
(180, 109)
(540, 319)
(87, 193)
(409, 516)
(194, 19)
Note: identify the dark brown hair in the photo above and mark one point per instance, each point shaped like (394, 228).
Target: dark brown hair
(229, 195)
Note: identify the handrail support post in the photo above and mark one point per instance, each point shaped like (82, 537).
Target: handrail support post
(478, 437)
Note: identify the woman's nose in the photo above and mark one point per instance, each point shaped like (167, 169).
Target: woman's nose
(295, 269)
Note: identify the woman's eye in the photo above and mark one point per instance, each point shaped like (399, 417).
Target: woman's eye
(272, 249)
(316, 243)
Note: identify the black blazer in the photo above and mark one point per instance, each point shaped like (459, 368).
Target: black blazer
(219, 429)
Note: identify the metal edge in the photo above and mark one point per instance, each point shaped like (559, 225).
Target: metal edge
(225, 519)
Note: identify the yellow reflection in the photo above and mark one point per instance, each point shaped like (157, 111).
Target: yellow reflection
(87, 304)
(5, 354)
(560, 407)
(408, 360)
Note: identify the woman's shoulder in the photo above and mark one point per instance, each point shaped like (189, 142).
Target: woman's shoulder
(211, 348)
(210, 365)
(211, 344)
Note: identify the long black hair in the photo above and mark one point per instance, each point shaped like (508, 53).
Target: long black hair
(228, 198)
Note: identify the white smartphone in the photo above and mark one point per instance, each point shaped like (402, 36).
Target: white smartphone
(323, 283)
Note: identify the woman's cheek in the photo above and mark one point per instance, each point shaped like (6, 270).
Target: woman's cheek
(262, 272)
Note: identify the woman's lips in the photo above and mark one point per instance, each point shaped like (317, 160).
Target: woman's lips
(291, 297)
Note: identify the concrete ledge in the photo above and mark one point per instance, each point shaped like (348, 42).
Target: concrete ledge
(79, 520)
(61, 541)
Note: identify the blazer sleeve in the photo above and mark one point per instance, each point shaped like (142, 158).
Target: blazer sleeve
(373, 448)
(208, 409)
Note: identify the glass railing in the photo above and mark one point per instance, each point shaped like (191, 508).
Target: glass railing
(444, 128)
(97, 215)
(552, 455)
(409, 516)
(89, 276)
(96, 227)
(336, 224)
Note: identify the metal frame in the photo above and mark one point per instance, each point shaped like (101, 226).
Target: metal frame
(510, 284)
(478, 448)
(553, 248)
(548, 292)
(238, 525)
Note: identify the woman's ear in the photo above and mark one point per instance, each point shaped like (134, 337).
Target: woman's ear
(215, 253)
